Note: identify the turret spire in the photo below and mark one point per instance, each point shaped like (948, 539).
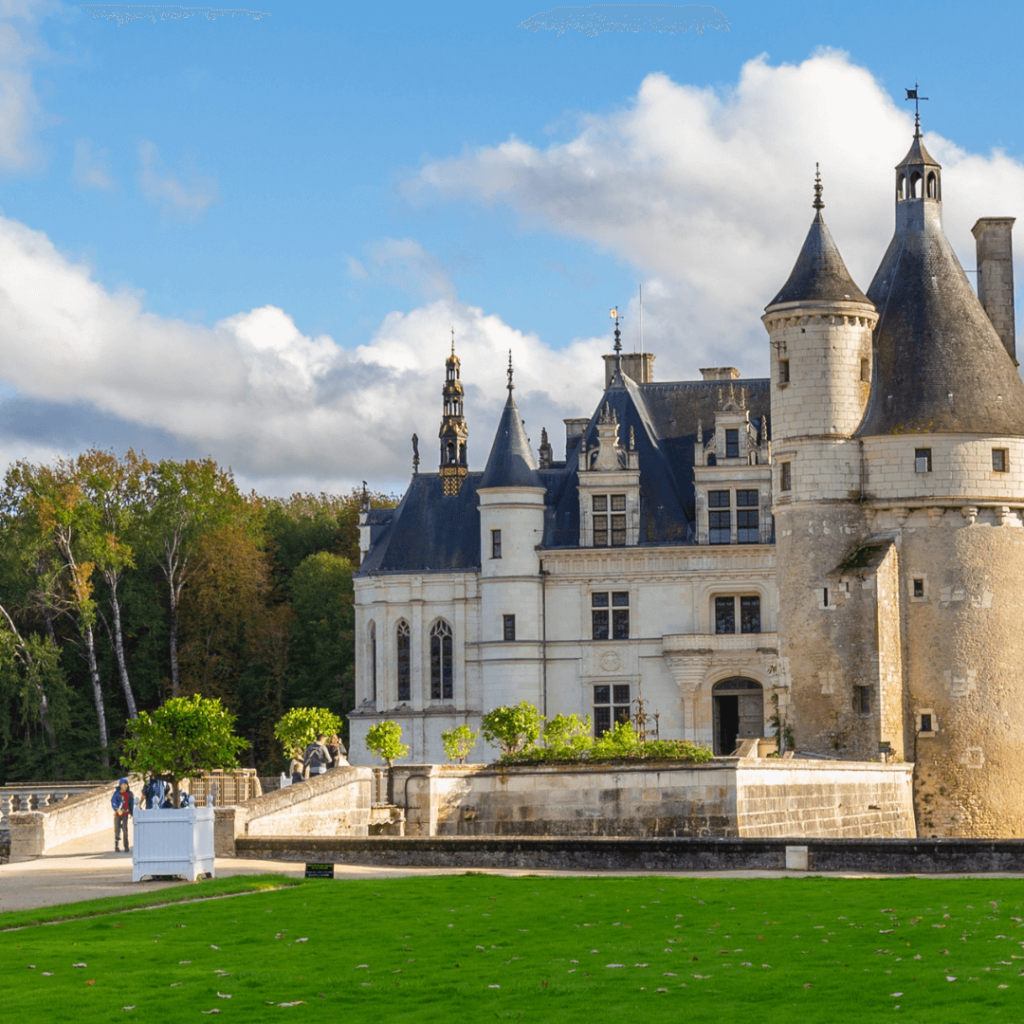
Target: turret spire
(454, 432)
(818, 204)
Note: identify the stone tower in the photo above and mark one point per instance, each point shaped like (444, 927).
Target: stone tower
(943, 476)
(454, 432)
(511, 496)
(820, 326)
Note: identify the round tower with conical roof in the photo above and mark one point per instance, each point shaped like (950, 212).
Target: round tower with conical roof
(820, 326)
(511, 494)
(943, 475)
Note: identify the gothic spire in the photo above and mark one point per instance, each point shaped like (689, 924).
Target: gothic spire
(454, 433)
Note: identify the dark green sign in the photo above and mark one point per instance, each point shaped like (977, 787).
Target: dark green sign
(319, 870)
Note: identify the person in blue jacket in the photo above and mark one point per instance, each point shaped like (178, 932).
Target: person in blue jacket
(123, 802)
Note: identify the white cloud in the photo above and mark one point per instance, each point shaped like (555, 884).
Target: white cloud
(708, 192)
(20, 111)
(169, 192)
(279, 406)
(92, 167)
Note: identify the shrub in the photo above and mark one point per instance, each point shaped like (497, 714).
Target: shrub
(186, 736)
(514, 728)
(385, 740)
(302, 725)
(568, 735)
(458, 742)
(617, 743)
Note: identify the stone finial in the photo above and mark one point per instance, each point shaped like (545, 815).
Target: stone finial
(817, 204)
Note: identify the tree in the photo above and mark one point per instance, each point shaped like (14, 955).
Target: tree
(385, 740)
(323, 633)
(185, 737)
(185, 499)
(568, 735)
(513, 728)
(458, 742)
(302, 725)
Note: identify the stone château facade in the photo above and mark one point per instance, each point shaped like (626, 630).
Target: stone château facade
(840, 545)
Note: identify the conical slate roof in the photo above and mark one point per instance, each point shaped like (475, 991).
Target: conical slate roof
(940, 367)
(511, 462)
(819, 274)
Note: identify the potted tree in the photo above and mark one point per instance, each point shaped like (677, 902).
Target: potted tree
(184, 737)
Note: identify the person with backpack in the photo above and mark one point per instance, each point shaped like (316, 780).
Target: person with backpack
(123, 803)
(318, 758)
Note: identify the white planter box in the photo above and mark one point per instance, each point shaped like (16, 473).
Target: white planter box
(173, 842)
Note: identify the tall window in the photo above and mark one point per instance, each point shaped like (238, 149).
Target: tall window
(783, 371)
(495, 543)
(441, 661)
(747, 526)
(785, 476)
(611, 704)
(371, 640)
(609, 520)
(1000, 460)
(719, 518)
(609, 615)
(750, 614)
(404, 646)
(732, 444)
(508, 626)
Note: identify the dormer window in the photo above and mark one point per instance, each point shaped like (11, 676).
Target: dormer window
(609, 520)
(732, 444)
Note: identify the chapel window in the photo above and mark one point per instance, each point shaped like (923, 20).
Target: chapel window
(441, 661)
(404, 651)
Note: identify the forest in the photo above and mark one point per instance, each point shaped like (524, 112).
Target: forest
(125, 581)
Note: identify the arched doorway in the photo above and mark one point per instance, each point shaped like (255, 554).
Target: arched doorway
(738, 713)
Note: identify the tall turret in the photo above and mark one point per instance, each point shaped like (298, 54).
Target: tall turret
(454, 432)
(511, 495)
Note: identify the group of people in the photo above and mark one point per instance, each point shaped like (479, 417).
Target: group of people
(317, 757)
(156, 793)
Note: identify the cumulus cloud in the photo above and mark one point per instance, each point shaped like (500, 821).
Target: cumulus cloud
(279, 406)
(189, 198)
(707, 192)
(92, 166)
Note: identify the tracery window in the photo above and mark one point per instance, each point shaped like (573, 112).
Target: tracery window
(404, 650)
(441, 661)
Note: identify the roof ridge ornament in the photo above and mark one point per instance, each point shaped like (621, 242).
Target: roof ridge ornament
(818, 204)
(912, 94)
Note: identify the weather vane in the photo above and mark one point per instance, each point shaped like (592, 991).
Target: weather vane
(912, 94)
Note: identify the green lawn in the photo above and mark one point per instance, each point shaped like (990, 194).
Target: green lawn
(477, 947)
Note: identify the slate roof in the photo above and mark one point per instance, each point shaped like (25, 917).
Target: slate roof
(511, 462)
(819, 274)
(940, 367)
(431, 532)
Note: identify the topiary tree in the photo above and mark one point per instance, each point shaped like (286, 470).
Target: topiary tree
(513, 728)
(184, 737)
(458, 742)
(385, 740)
(301, 726)
(568, 735)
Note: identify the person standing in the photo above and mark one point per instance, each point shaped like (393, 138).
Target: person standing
(336, 748)
(297, 768)
(317, 757)
(123, 803)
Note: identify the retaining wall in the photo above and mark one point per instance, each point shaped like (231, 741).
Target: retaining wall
(725, 797)
(461, 853)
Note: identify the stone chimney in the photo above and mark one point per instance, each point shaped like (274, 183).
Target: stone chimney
(719, 372)
(574, 429)
(994, 245)
(638, 366)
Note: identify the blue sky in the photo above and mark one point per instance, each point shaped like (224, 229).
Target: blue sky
(251, 238)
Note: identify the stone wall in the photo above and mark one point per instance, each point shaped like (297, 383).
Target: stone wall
(335, 803)
(461, 853)
(726, 797)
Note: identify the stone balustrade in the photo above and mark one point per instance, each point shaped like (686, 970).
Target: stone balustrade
(37, 796)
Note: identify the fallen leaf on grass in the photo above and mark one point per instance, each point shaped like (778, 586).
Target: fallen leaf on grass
(223, 995)
(662, 989)
(303, 940)
(494, 986)
(298, 1002)
(949, 977)
(31, 967)
(615, 965)
(128, 1007)
(361, 967)
(807, 986)
(79, 965)
(47, 974)
(213, 947)
(209, 1011)
(91, 981)
(895, 995)
(1002, 986)
(180, 962)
